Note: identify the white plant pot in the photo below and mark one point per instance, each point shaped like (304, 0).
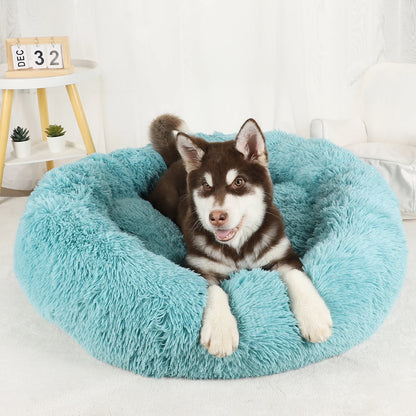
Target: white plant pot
(56, 144)
(22, 149)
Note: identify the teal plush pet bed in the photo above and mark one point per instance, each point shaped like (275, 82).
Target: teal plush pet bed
(96, 259)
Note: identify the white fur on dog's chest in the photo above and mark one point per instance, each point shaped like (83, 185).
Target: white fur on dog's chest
(217, 262)
(275, 253)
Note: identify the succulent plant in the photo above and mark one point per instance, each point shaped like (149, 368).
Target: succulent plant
(54, 130)
(20, 134)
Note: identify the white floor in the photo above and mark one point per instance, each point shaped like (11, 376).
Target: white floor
(44, 372)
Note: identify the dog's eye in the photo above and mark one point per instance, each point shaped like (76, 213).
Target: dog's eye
(206, 186)
(238, 182)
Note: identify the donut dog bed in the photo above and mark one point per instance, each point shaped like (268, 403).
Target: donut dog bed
(95, 258)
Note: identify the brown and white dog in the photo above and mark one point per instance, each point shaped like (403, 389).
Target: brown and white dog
(221, 196)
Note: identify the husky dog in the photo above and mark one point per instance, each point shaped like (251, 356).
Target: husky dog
(221, 196)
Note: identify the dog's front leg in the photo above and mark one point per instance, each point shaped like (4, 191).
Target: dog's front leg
(310, 310)
(219, 332)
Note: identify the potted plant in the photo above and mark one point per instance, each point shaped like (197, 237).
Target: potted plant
(55, 138)
(21, 142)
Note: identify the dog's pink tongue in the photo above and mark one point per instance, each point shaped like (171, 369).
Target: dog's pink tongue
(223, 234)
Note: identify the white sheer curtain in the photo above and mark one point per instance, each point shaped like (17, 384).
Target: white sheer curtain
(213, 62)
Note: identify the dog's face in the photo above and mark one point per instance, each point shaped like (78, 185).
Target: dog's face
(229, 183)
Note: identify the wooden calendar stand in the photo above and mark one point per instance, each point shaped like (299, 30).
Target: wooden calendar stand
(84, 70)
(38, 57)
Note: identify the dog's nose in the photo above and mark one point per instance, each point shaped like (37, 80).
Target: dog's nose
(218, 218)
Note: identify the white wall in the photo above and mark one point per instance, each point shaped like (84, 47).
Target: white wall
(213, 62)
(400, 30)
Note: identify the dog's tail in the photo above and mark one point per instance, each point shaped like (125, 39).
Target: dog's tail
(162, 136)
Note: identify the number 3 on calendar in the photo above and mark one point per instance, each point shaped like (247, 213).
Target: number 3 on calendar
(46, 56)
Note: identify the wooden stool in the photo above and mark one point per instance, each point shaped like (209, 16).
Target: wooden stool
(83, 70)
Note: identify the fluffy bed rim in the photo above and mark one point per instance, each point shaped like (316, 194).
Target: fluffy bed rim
(97, 260)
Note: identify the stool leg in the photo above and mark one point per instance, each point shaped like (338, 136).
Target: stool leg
(44, 118)
(81, 119)
(6, 111)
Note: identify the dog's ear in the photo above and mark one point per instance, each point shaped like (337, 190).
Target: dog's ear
(250, 142)
(191, 149)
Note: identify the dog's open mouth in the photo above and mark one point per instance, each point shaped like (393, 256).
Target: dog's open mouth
(227, 234)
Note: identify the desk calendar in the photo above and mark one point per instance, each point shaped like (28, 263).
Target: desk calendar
(38, 57)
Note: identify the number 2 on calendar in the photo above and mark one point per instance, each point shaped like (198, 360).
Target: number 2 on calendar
(47, 56)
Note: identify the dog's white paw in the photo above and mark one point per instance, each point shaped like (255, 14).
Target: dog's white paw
(310, 310)
(314, 319)
(219, 332)
(220, 336)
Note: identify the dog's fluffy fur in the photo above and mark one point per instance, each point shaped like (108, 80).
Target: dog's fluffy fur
(221, 196)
